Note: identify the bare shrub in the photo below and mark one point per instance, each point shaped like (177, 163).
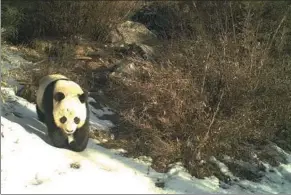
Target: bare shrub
(211, 94)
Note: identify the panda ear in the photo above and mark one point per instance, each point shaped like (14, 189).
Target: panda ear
(59, 96)
(83, 97)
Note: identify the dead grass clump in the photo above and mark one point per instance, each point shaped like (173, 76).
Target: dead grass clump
(166, 110)
(206, 98)
(174, 115)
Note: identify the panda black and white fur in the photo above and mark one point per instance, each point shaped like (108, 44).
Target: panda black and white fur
(63, 106)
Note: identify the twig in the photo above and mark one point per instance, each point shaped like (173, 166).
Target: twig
(232, 20)
(205, 72)
(39, 62)
(276, 31)
(206, 136)
(83, 58)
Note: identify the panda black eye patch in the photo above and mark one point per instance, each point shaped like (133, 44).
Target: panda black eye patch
(63, 119)
(59, 96)
(76, 120)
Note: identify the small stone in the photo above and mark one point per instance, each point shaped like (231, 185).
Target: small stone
(75, 165)
(160, 184)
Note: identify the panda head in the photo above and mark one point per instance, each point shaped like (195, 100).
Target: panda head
(69, 111)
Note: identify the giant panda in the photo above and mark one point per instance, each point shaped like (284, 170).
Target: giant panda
(63, 106)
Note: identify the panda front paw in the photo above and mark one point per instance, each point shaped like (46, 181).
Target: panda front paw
(77, 147)
(58, 140)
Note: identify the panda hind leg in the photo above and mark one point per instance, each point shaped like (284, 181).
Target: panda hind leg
(40, 115)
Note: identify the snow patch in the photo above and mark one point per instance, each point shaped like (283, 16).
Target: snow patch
(44, 168)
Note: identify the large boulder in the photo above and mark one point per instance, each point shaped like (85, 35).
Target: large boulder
(130, 32)
(135, 34)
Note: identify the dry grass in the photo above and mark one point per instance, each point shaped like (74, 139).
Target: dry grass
(188, 108)
(206, 98)
(214, 92)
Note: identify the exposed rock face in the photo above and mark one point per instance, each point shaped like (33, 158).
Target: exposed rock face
(135, 34)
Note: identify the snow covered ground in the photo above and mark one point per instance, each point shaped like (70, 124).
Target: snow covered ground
(29, 164)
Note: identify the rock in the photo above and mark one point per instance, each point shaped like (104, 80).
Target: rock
(131, 32)
(148, 51)
(135, 35)
(75, 165)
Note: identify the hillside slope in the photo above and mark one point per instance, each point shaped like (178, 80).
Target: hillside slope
(29, 164)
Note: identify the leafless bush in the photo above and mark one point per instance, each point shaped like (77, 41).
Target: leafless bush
(209, 94)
